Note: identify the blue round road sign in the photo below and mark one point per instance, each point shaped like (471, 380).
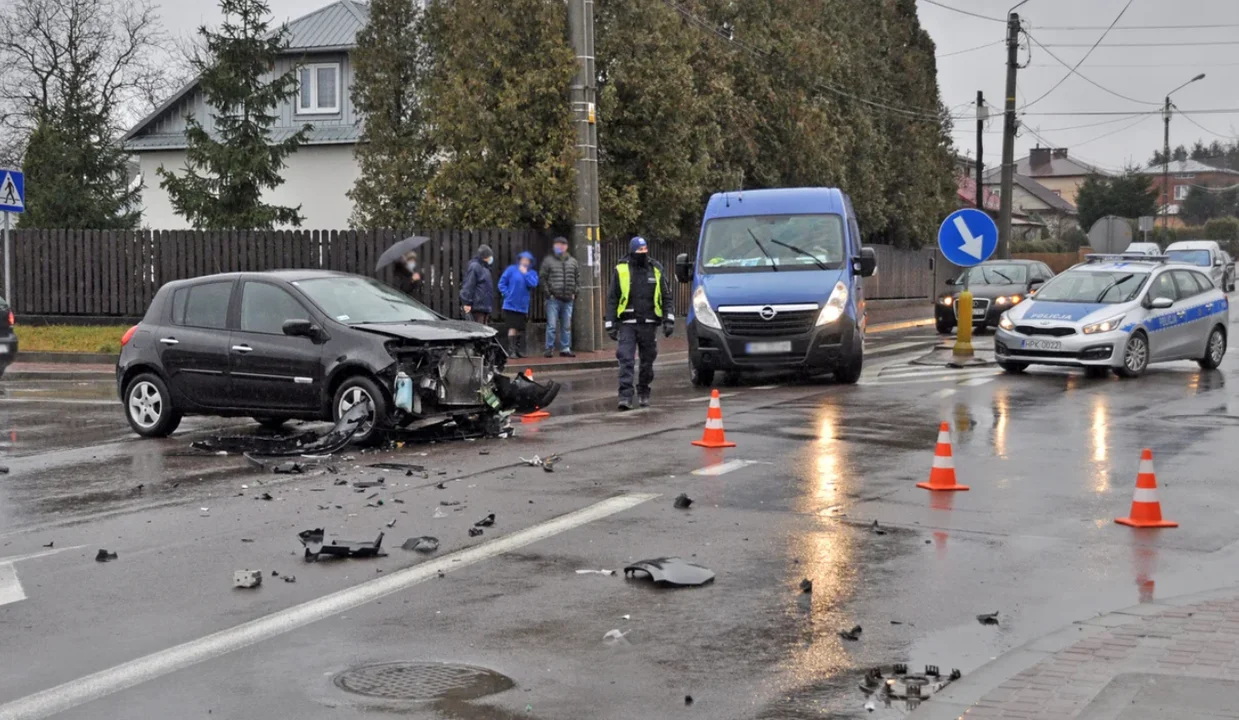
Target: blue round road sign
(968, 237)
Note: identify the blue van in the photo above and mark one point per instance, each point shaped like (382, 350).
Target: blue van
(777, 285)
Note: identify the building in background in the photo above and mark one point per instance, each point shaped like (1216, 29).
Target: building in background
(1052, 168)
(1184, 175)
(322, 171)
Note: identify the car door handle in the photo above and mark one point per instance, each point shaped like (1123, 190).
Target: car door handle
(169, 341)
(242, 348)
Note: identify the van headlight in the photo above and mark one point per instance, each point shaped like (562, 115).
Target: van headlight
(1103, 326)
(702, 310)
(1005, 323)
(834, 306)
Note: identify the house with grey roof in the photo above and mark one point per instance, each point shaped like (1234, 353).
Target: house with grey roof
(1034, 200)
(322, 171)
(1180, 176)
(1054, 169)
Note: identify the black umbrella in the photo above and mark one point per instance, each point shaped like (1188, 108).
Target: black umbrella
(397, 251)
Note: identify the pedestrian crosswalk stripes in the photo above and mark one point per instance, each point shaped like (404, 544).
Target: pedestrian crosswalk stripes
(905, 374)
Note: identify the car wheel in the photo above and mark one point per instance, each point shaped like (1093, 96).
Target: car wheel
(360, 389)
(849, 374)
(1135, 356)
(1012, 367)
(1215, 349)
(148, 407)
(271, 423)
(944, 327)
(699, 376)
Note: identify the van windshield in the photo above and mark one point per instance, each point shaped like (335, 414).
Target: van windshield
(772, 243)
(1191, 257)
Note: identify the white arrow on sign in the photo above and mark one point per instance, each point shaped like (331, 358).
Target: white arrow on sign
(11, 590)
(972, 245)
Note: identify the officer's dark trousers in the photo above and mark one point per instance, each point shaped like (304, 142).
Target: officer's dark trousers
(634, 339)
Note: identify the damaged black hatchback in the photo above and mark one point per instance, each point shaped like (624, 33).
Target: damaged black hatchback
(310, 344)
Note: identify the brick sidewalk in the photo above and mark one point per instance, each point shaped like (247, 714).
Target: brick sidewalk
(1124, 662)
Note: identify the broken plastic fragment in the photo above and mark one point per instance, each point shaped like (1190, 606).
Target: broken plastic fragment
(288, 468)
(671, 571)
(534, 461)
(290, 578)
(105, 556)
(474, 531)
(683, 501)
(877, 530)
(247, 578)
(392, 523)
(614, 637)
(439, 514)
(305, 444)
(369, 483)
(486, 521)
(548, 463)
(264, 496)
(853, 634)
(604, 571)
(806, 586)
(424, 543)
(988, 618)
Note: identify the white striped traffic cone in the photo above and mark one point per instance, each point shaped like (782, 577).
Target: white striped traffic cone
(714, 437)
(1146, 510)
(942, 474)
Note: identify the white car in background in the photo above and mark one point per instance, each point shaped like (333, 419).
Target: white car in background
(1207, 255)
(1143, 248)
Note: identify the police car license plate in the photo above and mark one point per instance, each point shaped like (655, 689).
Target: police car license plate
(1036, 344)
(768, 348)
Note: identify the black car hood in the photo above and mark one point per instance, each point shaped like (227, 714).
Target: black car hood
(431, 330)
(993, 291)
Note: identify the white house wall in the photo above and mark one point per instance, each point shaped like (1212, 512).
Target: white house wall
(316, 178)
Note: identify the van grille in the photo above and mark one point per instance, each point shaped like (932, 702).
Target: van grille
(784, 323)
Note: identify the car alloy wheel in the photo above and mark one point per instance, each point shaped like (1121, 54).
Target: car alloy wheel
(146, 404)
(1217, 347)
(1136, 356)
(354, 396)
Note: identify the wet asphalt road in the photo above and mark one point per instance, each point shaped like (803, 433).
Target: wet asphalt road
(1051, 457)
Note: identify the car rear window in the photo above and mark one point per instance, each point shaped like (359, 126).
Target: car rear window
(204, 306)
(1191, 257)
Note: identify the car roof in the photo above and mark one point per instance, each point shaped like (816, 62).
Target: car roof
(1192, 245)
(289, 276)
(777, 201)
(1013, 261)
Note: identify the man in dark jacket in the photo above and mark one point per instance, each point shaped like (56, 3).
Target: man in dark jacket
(635, 309)
(560, 278)
(477, 291)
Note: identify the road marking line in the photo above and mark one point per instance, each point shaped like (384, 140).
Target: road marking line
(977, 381)
(724, 468)
(41, 553)
(135, 672)
(943, 393)
(930, 370)
(894, 347)
(11, 589)
(915, 379)
(61, 401)
(764, 387)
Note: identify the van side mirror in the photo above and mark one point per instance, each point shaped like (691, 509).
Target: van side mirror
(866, 264)
(300, 328)
(683, 268)
(1161, 303)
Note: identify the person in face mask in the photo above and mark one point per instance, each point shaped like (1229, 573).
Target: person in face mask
(638, 302)
(477, 292)
(409, 276)
(560, 278)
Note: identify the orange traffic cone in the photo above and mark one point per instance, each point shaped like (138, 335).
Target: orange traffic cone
(1146, 511)
(714, 436)
(942, 475)
(538, 414)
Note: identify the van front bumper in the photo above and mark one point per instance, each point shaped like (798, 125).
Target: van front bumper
(823, 348)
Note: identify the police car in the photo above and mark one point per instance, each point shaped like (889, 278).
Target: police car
(1119, 313)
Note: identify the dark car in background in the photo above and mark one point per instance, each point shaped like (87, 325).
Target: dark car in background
(311, 344)
(8, 338)
(996, 286)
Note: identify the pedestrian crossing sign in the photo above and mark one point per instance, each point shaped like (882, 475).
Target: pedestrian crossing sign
(12, 191)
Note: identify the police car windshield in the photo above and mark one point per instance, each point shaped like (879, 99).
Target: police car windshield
(1191, 257)
(1094, 286)
(772, 243)
(997, 274)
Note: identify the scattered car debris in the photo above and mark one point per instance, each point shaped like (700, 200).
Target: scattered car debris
(275, 573)
(247, 539)
(891, 683)
(408, 468)
(877, 530)
(439, 514)
(369, 483)
(474, 531)
(671, 571)
(424, 544)
(441, 486)
(398, 501)
(247, 579)
(392, 522)
(449, 503)
(688, 699)
(988, 618)
(853, 634)
(288, 468)
(683, 501)
(615, 637)
(548, 463)
(486, 521)
(534, 461)
(310, 443)
(340, 481)
(806, 586)
(315, 546)
(105, 556)
(290, 578)
(50, 544)
(604, 571)
(4, 469)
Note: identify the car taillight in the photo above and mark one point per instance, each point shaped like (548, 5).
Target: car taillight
(124, 339)
(12, 320)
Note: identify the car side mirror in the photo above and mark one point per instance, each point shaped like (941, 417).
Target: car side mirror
(300, 328)
(683, 268)
(866, 264)
(1217, 262)
(1161, 303)
(950, 282)
(1034, 284)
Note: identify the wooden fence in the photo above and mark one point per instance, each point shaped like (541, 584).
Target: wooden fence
(1058, 262)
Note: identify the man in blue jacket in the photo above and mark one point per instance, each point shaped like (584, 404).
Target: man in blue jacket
(477, 291)
(516, 285)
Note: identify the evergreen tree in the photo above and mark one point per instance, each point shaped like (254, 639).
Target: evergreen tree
(1130, 195)
(394, 155)
(497, 107)
(227, 169)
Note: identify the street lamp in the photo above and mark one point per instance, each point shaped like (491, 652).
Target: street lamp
(1166, 151)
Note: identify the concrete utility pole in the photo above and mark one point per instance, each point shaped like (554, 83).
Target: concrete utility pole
(1166, 151)
(586, 241)
(981, 116)
(1008, 137)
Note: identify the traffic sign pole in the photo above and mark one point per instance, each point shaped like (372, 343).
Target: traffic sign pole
(967, 238)
(8, 260)
(962, 352)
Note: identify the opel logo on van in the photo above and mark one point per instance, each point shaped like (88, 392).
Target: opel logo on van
(768, 313)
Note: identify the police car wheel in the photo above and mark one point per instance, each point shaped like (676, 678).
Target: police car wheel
(1012, 367)
(1215, 349)
(1135, 356)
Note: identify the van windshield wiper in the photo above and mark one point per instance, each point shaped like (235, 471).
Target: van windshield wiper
(774, 266)
(795, 249)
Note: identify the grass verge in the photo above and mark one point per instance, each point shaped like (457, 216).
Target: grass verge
(70, 338)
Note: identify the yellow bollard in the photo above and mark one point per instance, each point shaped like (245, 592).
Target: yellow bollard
(963, 338)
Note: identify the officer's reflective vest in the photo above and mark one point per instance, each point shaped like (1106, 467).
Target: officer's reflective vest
(625, 284)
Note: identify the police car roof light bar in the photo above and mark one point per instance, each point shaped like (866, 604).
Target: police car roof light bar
(1122, 257)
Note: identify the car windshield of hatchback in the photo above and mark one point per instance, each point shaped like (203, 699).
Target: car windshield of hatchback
(1191, 257)
(997, 274)
(1093, 287)
(358, 300)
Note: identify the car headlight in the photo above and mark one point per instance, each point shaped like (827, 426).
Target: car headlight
(702, 310)
(1008, 300)
(1005, 323)
(1103, 326)
(947, 300)
(834, 306)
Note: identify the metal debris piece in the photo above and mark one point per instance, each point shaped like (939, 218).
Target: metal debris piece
(369, 483)
(392, 523)
(328, 443)
(315, 546)
(486, 521)
(264, 496)
(247, 539)
(688, 699)
(475, 531)
(424, 544)
(50, 544)
(398, 501)
(408, 468)
(683, 501)
(441, 486)
(290, 578)
(449, 503)
(853, 634)
(614, 637)
(604, 571)
(877, 530)
(671, 571)
(340, 481)
(806, 586)
(105, 556)
(988, 618)
(548, 463)
(534, 461)
(247, 578)
(288, 468)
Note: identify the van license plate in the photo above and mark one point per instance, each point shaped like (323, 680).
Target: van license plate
(1034, 344)
(768, 348)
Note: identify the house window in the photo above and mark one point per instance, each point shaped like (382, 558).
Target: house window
(320, 89)
(1180, 191)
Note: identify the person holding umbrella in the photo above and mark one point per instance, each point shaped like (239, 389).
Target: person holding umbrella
(403, 256)
(516, 285)
(477, 291)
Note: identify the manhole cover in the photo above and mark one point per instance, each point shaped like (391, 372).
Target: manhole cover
(1204, 420)
(423, 681)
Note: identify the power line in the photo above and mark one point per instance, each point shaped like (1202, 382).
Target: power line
(1192, 120)
(1100, 113)
(1197, 43)
(1090, 81)
(978, 47)
(1075, 70)
(1064, 129)
(1069, 28)
(963, 12)
(1127, 66)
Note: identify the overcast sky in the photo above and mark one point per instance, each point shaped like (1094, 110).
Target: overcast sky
(1143, 73)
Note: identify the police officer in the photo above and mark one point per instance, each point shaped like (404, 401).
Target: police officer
(639, 288)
